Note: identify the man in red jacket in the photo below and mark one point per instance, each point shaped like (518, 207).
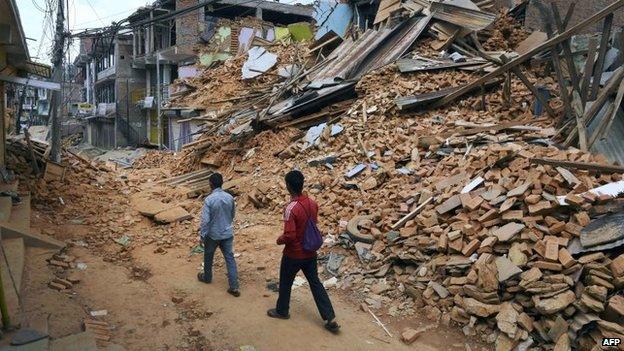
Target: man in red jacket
(295, 258)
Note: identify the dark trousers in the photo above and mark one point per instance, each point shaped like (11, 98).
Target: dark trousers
(288, 270)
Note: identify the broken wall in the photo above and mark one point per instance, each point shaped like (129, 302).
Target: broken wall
(189, 26)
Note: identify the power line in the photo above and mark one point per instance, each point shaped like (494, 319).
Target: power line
(95, 12)
(164, 17)
(103, 17)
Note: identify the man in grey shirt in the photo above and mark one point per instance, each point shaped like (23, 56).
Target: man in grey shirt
(216, 230)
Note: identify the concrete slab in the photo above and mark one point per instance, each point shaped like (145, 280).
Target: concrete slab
(114, 347)
(172, 215)
(8, 231)
(27, 336)
(76, 342)
(10, 293)
(150, 207)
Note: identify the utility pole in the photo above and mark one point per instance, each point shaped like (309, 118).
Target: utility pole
(57, 62)
(158, 97)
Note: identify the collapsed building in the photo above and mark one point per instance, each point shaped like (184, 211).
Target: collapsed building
(463, 164)
(466, 169)
(127, 77)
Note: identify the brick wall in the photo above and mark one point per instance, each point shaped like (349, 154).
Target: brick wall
(188, 26)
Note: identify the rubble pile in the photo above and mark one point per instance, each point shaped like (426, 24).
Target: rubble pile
(221, 86)
(153, 159)
(477, 212)
(506, 34)
(490, 235)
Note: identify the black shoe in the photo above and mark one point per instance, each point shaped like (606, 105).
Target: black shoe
(332, 327)
(234, 293)
(200, 277)
(274, 314)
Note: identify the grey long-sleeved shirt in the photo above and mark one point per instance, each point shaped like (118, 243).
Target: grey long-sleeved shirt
(217, 215)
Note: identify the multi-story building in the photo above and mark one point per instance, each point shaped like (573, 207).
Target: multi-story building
(165, 49)
(123, 76)
(107, 79)
(17, 71)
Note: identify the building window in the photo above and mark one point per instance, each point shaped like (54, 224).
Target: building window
(105, 93)
(105, 61)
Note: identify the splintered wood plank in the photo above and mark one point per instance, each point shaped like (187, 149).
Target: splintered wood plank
(604, 46)
(589, 67)
(591, 166)
(527, 56)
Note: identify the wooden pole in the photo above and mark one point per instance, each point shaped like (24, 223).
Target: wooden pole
(595, 107)
(589, 68)
(604, 46)
(158, 112)
(35, 166)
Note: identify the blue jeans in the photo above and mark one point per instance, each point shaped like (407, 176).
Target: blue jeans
(227, 249)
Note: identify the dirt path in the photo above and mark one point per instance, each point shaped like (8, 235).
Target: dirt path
(205, 316)
(155, 302)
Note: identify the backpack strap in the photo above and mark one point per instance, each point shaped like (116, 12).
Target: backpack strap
(304, 209)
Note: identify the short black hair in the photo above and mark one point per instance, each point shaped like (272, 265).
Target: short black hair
(294, 181)
(216, 180)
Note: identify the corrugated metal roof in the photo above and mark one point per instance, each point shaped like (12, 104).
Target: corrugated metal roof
(464, 17)
(372, 50)
(612, 145)
(347, 56)
(403, 36)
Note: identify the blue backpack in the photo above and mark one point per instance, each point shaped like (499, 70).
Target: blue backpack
(312, 239)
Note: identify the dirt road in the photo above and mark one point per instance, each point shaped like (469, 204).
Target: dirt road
(205, 317)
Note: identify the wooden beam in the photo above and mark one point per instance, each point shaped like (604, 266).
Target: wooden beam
(518, 72)
(591, 112)
(535, 92)
(495, 127)
(607, 120)
(563, 87)
(411, 215)
(526, 56)
(604, 46)
(590, 166)
(589, 68)
(568, 16)
(601, 128)
(566, 48)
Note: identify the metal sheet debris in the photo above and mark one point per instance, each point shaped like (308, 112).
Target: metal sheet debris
(259, 61)
(603, 230)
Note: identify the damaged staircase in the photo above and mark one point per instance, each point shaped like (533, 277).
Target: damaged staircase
(16, 236)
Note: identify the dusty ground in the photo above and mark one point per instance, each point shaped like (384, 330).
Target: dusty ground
(207, 318)
(138, 284)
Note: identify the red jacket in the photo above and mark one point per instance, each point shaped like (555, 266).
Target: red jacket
(295, 217)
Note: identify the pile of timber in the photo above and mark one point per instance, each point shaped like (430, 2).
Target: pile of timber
(193, 183)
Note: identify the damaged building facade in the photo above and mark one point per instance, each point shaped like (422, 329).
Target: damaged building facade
(128, 78)
(108, 79)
